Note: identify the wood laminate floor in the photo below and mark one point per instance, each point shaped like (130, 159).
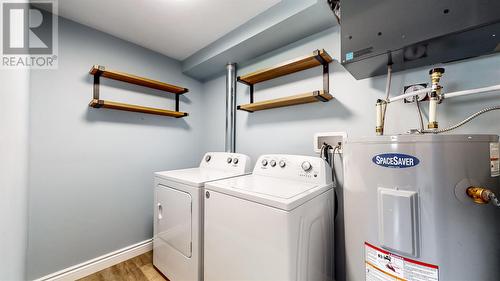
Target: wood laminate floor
(139, 268)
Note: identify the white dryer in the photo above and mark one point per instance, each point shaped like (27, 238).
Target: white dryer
(275, 224)
(178, 222)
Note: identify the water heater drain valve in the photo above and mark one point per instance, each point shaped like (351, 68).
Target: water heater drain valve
(481, 195)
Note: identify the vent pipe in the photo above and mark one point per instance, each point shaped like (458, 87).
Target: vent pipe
(230, 107)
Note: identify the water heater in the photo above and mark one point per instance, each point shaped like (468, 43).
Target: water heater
(407, 212)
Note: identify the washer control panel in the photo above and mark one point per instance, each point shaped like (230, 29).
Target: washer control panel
(294, 167)
(226, 161)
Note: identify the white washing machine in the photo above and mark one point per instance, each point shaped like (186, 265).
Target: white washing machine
(178, 222)
(275, 224)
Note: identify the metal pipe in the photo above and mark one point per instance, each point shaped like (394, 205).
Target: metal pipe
(419, 112)
(467, 120)
(472, 91)
(230, 144)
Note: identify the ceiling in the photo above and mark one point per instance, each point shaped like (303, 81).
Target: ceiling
(175, 28)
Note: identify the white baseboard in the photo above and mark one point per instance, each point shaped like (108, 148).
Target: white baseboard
(94, 265)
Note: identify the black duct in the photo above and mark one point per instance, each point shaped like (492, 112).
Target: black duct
(414, 33)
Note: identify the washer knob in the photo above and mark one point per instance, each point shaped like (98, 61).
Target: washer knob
(229, 160)
(306, 166)
(264, 162)
(273, 163)
(235, 161)
(282, 164)
(207, 158)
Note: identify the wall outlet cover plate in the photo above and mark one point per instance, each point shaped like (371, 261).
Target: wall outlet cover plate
(331, 138)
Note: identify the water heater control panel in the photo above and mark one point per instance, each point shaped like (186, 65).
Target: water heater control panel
(294, 167)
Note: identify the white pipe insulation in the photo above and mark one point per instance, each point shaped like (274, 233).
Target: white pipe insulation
(472, 91)
(448, 95)
(433, 103)
(412, 94)
(380, 114)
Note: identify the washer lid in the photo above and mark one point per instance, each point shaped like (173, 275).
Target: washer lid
(275, 192)
(197, 176)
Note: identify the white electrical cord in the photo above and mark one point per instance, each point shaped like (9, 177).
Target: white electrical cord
(467, 120)
(382, 111)
(388, 82)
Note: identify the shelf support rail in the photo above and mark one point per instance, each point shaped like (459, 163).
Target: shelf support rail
(176, 102)
(249, 85)
(326, 75)
(97, 81)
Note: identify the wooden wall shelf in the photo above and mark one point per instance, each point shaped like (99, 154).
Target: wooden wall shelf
(98, 70)
(135, 108)
(287, 101)
(137, 80)
(318, 58)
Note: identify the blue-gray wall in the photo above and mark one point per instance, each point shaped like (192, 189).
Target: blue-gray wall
(14, 107)
(291, 129)
(91, 170)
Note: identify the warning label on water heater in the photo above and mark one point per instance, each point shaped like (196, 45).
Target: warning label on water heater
(382, 265)
(494, 159)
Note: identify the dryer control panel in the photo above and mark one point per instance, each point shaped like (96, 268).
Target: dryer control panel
(226, 161)
(294, 167)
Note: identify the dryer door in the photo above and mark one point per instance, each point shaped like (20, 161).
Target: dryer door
(174, 215)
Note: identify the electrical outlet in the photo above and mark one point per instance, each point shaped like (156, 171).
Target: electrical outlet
(331, 138)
